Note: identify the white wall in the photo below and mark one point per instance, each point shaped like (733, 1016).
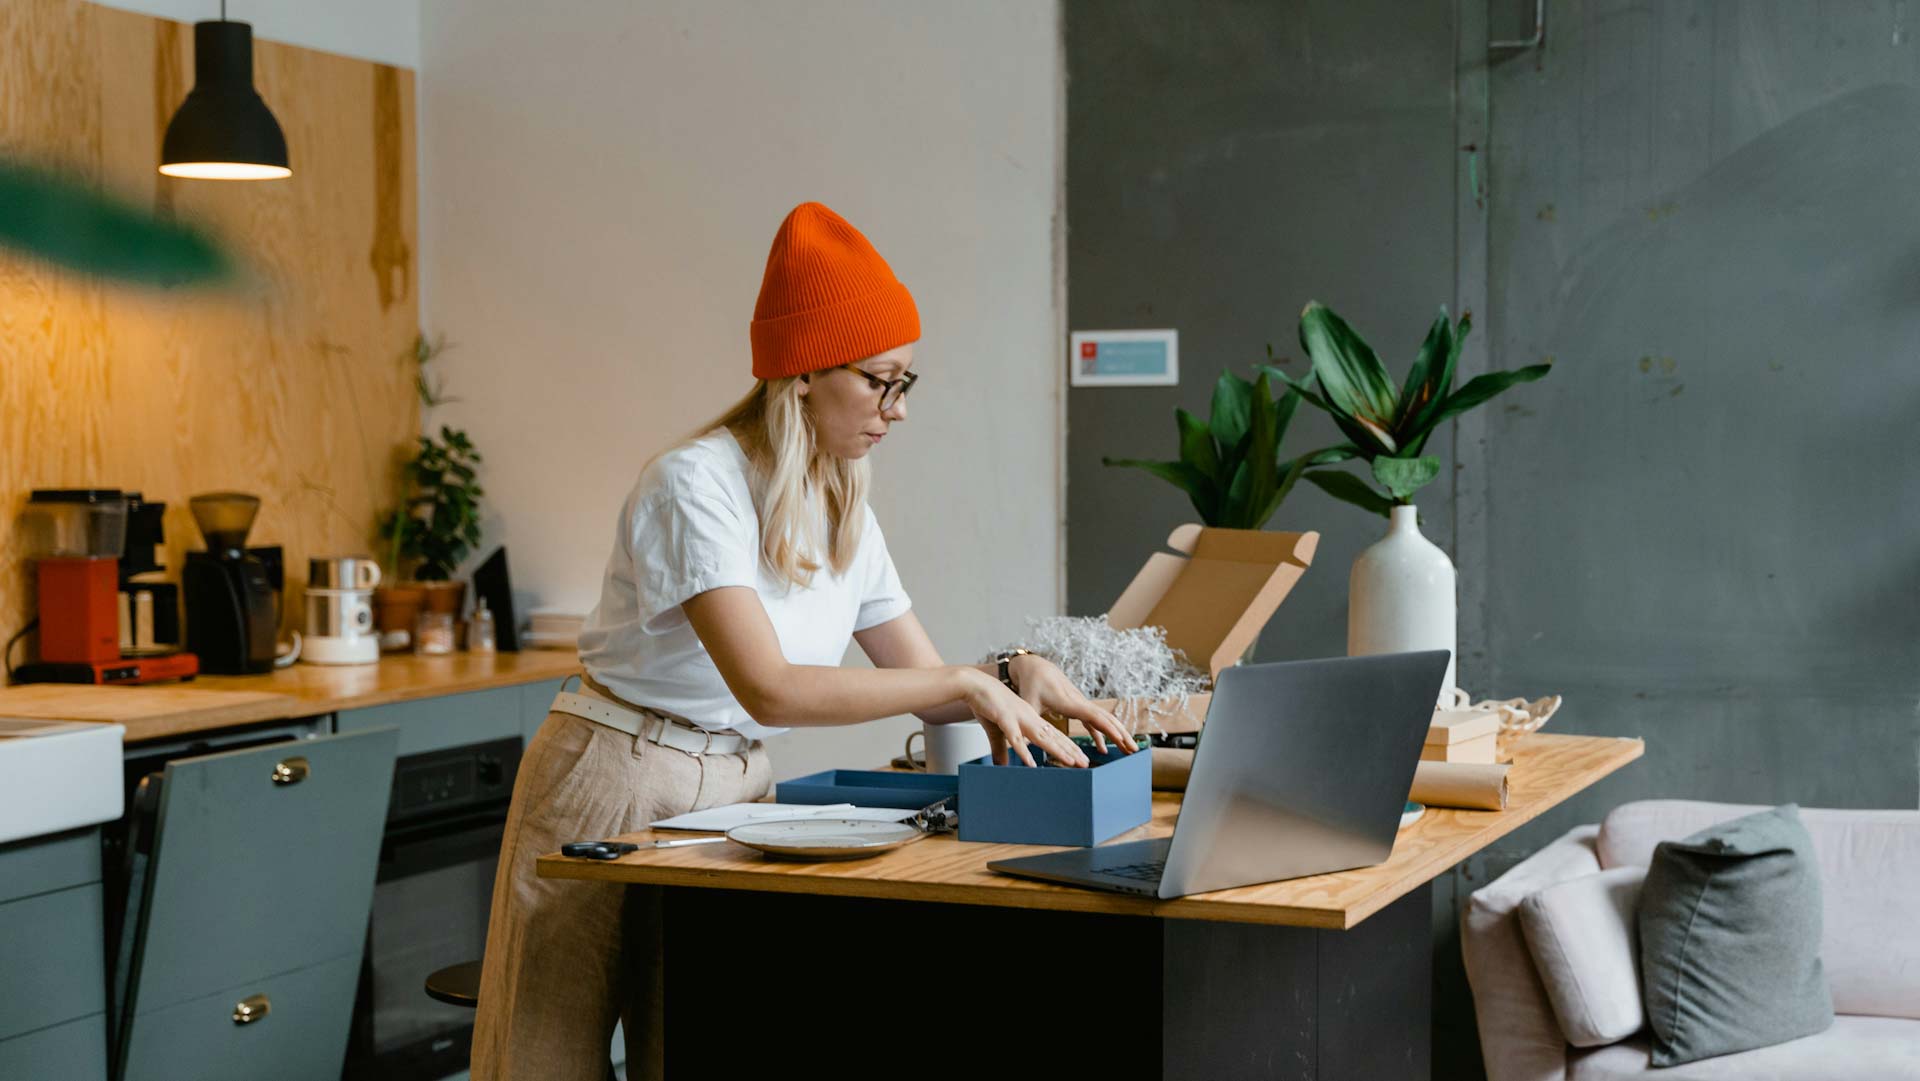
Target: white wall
(387, 31)
(599, 186)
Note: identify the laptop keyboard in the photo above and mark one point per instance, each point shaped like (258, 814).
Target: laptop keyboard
(1143, 872)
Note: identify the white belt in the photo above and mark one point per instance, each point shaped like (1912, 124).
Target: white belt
(649, 726)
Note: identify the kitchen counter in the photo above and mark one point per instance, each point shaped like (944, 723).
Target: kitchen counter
(164, 710)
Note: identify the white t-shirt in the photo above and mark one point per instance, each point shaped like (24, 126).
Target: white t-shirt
(688, 526)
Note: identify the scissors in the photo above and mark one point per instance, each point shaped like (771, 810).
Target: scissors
(598, 850)
(936, 817)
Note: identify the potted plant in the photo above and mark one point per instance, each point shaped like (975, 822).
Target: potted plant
(1229, 464)
(439, 521)
(1401, 592)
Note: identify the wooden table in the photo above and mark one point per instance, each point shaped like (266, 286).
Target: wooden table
(1322, 977)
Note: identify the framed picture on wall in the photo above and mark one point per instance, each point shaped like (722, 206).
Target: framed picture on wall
(1123, 358)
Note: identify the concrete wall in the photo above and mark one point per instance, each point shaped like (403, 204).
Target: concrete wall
(386, 31)
(1227, 163)
(1701, 528)
(602, 182)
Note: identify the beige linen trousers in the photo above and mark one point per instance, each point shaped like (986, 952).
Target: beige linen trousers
(566, 958)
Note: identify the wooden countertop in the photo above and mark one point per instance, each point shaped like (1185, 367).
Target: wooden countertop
(1546, 770)
(163, 710)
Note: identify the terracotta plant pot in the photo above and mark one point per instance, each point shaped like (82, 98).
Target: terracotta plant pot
(449, 597)
(395, 608)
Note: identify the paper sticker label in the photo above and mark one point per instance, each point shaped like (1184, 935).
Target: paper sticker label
(1124, 358)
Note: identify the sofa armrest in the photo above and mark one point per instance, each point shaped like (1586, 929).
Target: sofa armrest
(1520, 1038)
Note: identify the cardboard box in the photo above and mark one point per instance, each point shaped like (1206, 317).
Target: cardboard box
(1480, 750)
(868, 788)
(1045, 805)
(1452, 726)
(1212, 599)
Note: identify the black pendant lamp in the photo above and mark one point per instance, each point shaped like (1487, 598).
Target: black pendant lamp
(223, 131)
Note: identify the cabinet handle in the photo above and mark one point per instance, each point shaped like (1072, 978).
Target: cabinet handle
(251, 1009)
(291, 771)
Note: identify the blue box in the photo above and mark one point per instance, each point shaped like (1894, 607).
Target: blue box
(868, 788)
(1049, 805)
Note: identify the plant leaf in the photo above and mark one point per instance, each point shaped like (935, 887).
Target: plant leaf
(1196, 443)
(1355, 381)
(1420, 387)
(1370, 440)
(1293, 475)
(1233, 508)
(1424, 420)
(67, 221)
(1263, 456)
(1351, 489)
(1482, 387)
(1402, 477)
(1339, 452)
(1232, 413)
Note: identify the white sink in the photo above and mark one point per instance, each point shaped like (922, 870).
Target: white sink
(57, 775)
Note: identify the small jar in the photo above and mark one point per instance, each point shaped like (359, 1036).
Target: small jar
(480, 631)
(433, 634)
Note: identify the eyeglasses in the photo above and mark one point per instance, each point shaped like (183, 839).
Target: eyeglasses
(891, 390)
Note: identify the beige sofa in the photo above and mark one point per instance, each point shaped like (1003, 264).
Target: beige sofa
(1870, 884)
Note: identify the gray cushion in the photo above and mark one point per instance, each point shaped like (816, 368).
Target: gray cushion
(1730, 939)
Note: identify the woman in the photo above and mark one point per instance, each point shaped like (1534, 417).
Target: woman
(743, 562)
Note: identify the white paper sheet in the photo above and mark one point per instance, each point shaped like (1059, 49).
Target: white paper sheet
(722, 819)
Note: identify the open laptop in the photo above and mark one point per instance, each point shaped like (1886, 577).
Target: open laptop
(1303, 769)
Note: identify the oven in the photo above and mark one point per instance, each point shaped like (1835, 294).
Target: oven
(431, 896)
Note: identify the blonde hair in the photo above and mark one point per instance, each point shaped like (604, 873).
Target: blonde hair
(796, 488)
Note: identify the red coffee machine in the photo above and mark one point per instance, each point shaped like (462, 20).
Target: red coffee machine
(78, 536)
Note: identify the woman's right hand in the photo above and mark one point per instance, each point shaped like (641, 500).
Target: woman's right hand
(1009, 720)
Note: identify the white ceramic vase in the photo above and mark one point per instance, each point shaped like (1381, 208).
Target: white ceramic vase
(1401, 595)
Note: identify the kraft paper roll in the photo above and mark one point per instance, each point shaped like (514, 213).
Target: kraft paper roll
(1460, 784)
(1170, 768)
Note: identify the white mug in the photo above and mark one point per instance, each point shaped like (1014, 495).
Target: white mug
(948, 745)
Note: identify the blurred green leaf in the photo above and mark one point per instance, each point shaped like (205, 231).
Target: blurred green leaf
(67, 222)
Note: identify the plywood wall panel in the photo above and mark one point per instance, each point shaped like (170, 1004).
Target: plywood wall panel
(296, 385)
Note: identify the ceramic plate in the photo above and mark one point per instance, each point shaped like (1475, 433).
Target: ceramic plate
(824, 838)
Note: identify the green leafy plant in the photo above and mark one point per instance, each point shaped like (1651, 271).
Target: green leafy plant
(1385, 429)
(432, 391)
(440, 521)
(68, 221)
(1229, 464)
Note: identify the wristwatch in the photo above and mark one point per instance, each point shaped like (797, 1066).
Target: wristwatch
(1004, 659)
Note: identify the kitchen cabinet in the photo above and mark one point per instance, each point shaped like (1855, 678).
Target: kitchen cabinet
(259, 885)
(455, 720)
(53, 997)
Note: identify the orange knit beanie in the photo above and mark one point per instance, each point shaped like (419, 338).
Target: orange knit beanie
(827, 298)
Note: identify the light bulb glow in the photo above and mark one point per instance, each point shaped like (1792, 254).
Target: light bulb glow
(225, 170)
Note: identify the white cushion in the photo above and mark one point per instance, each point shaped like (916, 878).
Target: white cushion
(1868, 1048)
(1584, 941)
(1869, 877)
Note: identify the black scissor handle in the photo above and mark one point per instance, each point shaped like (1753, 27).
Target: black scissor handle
(598, 850)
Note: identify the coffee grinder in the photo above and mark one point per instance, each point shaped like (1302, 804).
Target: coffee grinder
(89, 601)
(232, 591)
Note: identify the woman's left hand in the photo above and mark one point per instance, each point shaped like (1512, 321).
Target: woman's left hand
(1048, 690)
